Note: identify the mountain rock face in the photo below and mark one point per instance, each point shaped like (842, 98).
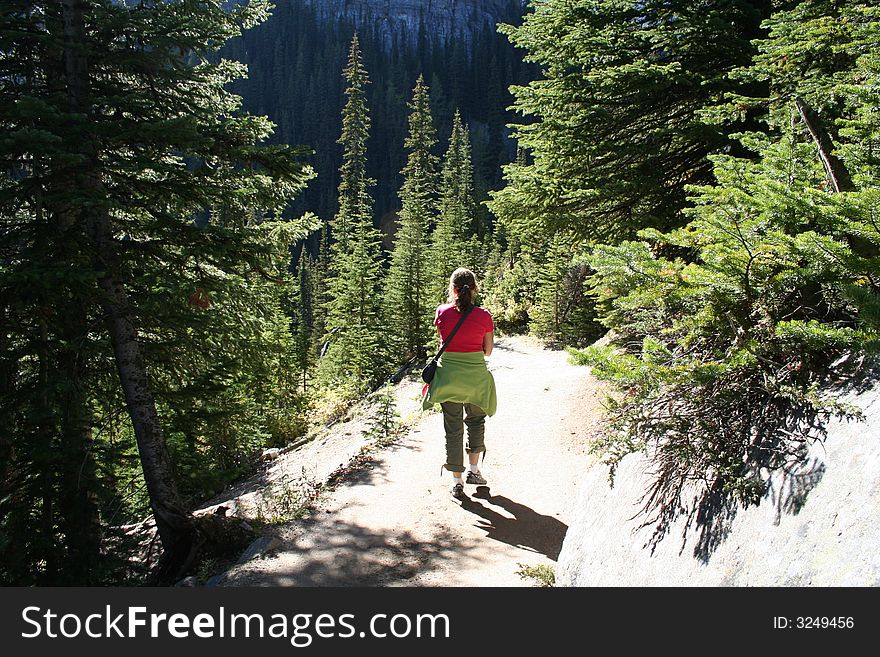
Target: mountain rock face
(405, 20)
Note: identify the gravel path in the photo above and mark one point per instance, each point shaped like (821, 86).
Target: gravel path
(395, 523)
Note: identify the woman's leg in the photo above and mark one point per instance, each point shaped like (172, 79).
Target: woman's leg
(476, 428)
(452, 424)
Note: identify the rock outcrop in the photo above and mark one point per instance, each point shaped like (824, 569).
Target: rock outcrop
(403, 19)
(818, 527)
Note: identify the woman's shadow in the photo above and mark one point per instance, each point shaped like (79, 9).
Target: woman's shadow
(527, 529)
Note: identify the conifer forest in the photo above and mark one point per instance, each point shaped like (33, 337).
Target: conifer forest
(224, 222)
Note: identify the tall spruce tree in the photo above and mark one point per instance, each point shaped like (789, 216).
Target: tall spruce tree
(615, 134)
(451, 245)
(355, 334)
(353, 181)
(554, 299)
(302, 315)
(409, 295)
(132, 203)
(510, 285)
(292, 71)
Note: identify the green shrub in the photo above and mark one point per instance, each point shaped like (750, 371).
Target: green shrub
(727, 365)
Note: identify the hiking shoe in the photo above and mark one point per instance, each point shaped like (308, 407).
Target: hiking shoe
(475, 478)
(458, 492)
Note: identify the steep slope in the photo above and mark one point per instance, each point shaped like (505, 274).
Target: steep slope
(295, 61)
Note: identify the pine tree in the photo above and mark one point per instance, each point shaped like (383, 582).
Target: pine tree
(353, 181)
(302, 315)
(354, 357)
(409, 296)
(313, 45)
(731, 363)
(134, 228)
(553, 300)
(451, 245)
(510, 285)
(616, 134)
(320, 277)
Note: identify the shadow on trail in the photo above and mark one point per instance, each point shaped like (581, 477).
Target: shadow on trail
(347, 554)
(367, 468)
(506, 346)
(527, 529)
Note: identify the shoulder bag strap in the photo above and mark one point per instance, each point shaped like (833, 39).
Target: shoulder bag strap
(454, 331)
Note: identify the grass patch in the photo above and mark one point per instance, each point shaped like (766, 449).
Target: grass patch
(542, 575)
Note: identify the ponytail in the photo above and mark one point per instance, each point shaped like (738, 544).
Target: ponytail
(462, 288)
(465, 298)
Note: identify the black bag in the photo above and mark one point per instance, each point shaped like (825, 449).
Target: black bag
(431, 367)
(429, 371)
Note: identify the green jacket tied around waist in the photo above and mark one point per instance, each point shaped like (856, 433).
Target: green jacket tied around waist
(462, 377)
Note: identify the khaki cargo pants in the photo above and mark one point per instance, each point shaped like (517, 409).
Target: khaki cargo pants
(475, 419)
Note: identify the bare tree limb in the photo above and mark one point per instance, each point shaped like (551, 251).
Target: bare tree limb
(835, 170)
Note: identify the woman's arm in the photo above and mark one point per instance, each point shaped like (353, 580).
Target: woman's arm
(488, 343)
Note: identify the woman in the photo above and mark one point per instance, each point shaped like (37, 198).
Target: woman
(462, 385)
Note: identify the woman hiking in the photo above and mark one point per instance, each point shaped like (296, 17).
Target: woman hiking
(462, 385)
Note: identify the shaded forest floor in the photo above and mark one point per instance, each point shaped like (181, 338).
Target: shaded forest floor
(390, 520)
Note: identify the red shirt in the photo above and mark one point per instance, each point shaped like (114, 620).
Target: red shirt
(470, 336)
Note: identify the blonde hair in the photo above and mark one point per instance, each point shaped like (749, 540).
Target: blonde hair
(462, 279)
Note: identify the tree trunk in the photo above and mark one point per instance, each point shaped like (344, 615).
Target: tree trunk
(79, 516)
(8, 483)
(176, 527)
(835, 170)
(46, 463)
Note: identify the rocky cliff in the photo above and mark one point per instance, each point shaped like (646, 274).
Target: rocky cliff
(817, 526)
(404, 19)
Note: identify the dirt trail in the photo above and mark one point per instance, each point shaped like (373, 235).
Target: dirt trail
(395, 523)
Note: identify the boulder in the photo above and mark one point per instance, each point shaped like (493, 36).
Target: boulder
(816, 526)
